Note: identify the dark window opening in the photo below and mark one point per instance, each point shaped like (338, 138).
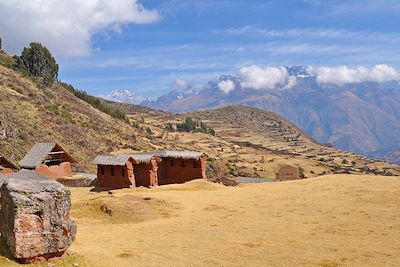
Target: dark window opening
(102, 170)
(53, 162)
(183, 164)
(194, 164)
(172, 163)
(112, 171)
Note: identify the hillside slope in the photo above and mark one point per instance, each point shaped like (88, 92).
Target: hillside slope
(256, 143)
(251, 142)
(30, 112)
(361, 117)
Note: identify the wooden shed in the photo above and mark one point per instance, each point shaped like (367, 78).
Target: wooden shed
(49, 159)
(7, 166)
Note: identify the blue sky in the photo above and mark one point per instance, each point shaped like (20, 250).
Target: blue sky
(198, 41)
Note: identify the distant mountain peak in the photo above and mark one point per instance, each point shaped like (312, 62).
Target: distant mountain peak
(299, 71)
(123, 96)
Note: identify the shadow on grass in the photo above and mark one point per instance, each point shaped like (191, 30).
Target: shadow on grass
(100, 189)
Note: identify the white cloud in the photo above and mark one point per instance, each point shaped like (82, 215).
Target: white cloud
(66, 27)
(291, 81)
(265, 78)
(343, 74)
(181, 85)
(226, 86)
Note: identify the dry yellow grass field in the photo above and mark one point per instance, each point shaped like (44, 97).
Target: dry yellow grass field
(336, 220)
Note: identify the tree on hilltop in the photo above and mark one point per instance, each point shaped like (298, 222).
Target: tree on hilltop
(37, 61)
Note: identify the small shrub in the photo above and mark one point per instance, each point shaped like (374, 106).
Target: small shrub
(169, 128)
(149, 131)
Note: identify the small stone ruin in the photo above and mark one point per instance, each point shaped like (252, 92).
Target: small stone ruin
(34, 216)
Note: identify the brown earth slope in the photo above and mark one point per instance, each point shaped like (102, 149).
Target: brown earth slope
(256, 143)
(30, 112)
(250, 141)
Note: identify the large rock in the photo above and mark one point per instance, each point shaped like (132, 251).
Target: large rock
(34, 216)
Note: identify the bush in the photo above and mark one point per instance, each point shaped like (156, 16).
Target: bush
(1, 44)
(37, 61)
(149, 131)
(169, 127)
(190, 125)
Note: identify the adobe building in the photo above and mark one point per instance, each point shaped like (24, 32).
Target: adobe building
(7, 166)
(49, 159)
(146, 169)
(288, 172)
(115, 171)
(150, 169)
(180, 166)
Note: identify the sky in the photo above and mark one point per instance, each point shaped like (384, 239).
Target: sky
(154, 46)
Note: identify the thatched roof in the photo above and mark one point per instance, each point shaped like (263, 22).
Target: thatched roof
(6, 163)
(120, 160)
(116, 160)
(178, 154)
(40, 152)
(143, 157)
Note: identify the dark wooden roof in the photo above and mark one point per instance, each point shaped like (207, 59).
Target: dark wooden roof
(42, 151)
(6, 163)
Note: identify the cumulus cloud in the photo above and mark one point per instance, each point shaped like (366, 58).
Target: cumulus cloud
(343, 74)
(181, 85)
(265, 78)
(226, 86)
(66, 27)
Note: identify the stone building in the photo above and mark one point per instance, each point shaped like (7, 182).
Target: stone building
(49, 159)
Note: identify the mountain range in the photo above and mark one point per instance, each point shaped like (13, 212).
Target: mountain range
(362, 117)
(245, 141)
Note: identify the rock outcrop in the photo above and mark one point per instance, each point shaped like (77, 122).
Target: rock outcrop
(34, 216)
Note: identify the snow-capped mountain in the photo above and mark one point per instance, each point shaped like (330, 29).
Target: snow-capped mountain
(124, 96)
